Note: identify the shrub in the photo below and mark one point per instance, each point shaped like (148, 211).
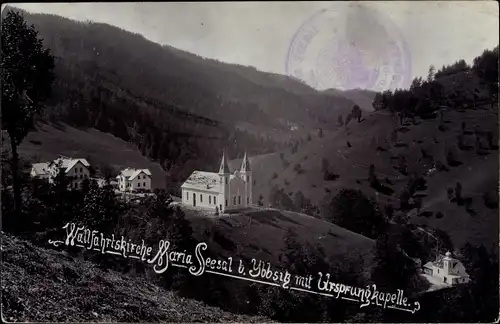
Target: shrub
(298, 168)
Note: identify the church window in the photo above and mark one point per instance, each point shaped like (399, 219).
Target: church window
(248, 178)
(201, 197)
(226, 180)
(239, 200)
(248, 200)
(215, 201)
(234, 200)
(209, 200)
(226, 202)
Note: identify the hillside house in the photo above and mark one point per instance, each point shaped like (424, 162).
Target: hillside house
(40, 170)
(447, 270)
(132, 180)
(220, 191)
(76, 170)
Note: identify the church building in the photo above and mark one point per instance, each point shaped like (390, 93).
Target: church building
(447, 270)
(222, 191)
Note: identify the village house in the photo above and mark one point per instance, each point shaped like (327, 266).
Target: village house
(132, 180)
(447, 270)
(40, 170)
(76, 170)
(222, 191)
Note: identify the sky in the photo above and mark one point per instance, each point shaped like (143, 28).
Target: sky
(281, 37)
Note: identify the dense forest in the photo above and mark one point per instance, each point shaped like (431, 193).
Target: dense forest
(178, 108)
(454, 86)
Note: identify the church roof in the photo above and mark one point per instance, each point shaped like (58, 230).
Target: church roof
(245, 164)
(202, 180)
(224, 167)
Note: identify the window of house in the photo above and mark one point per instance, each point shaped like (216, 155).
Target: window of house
(248, 200)
(144, 184)
(81, 169)
(209, 200)
(215, 201)
(187, 195)
(234, 200)
(248, 178)
(239, 200)
(138, 184)
(226, 202)
(226, 180)
(81, 176)
(201, 197)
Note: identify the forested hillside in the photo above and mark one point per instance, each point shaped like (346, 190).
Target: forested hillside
(177, 108)
(441, 136)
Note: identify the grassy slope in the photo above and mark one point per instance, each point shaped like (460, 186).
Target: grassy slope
(45, 285)
(50, 140)
(259, 234)
(477, 173)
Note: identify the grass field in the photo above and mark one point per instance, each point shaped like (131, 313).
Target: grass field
(259, 233)
(45, 285)
(99, 148)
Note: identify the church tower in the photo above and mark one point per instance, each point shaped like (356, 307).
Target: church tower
(224, 175)
(246, 175)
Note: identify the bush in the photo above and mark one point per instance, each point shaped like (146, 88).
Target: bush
(298, 168)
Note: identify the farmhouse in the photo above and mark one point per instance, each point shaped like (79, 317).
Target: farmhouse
(447, 270)
(76, 170)
(131, 180)
(220, 191)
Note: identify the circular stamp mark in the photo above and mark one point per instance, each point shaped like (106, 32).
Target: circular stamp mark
(347, 47)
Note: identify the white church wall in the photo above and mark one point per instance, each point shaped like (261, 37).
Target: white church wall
(200, 198)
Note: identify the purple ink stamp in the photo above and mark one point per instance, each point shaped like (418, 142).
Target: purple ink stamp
(349, 46)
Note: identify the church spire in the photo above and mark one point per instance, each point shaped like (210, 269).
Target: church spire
(245, 164)
(224, 167)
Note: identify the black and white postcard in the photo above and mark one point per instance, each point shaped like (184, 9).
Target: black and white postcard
(259, 162)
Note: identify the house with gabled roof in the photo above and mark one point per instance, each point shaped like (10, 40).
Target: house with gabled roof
(131, 179)
(40, 170)
(222, 191)
(76, 170)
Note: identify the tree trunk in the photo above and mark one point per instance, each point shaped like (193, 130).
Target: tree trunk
(15, 179)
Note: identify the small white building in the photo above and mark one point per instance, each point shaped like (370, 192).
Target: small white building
(221, 191)
(76, 170)
(131, 179)
(447, 270)
(40, 170)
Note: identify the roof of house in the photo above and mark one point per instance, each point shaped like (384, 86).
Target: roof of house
(203, 181)
(40, 168)
(131, 173)
(69, 163)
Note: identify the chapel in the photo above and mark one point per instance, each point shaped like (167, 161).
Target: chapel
(220, 191)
